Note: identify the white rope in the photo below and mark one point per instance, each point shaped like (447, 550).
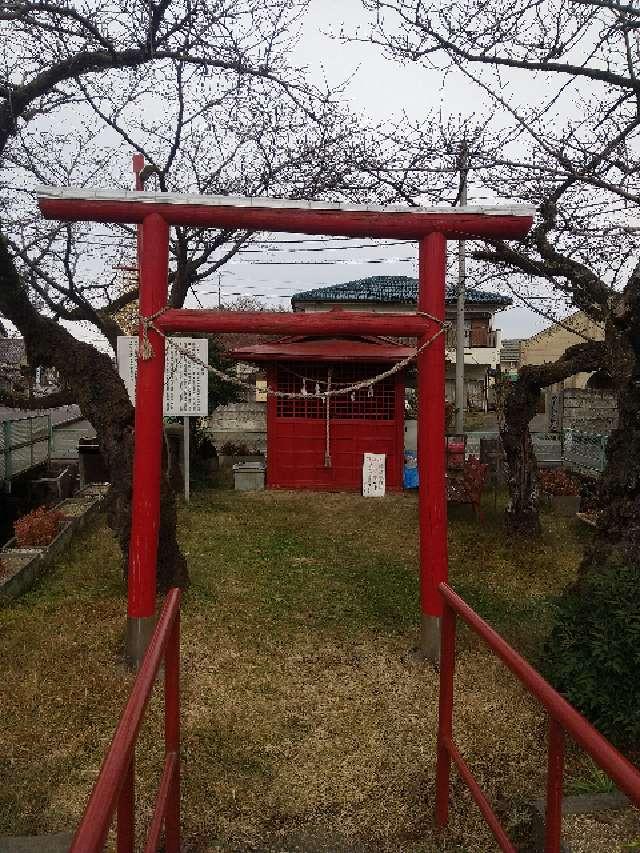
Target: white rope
(327, 447)
(146, 353)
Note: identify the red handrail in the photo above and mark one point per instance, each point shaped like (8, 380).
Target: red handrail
(115, 786)
(563, 717)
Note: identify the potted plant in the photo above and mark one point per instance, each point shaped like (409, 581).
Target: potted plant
(562, 490)
(38, 528)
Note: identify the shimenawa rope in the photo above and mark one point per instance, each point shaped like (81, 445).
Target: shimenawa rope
(146, 352)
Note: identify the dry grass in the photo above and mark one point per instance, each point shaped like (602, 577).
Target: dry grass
(615, 832)
(304, 715)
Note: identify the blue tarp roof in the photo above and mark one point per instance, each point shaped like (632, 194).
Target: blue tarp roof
(389, 288)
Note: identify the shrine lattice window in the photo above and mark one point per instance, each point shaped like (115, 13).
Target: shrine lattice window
(375, 403)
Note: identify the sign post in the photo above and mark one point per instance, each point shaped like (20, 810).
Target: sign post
(185, 426)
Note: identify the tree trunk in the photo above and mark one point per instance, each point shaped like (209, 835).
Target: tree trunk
(517, 404)
(93, 383)
(516, 408)
(617, 539)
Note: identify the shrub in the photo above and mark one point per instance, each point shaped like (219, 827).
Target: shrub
(230, 448)
(556, 481)
(37, 528)
(593, 655)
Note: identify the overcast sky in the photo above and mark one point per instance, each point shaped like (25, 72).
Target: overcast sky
(380, 89)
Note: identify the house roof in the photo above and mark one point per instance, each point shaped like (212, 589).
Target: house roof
(299, 348)
(390, 288)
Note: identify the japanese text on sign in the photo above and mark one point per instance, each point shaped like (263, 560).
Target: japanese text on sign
(185, 380)
(373, 479)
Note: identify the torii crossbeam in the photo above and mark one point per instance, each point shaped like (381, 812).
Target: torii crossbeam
(156, 213)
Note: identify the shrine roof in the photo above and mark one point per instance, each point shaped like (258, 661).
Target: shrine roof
(361, 349)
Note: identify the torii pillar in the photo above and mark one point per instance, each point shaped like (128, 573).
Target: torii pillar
(432, 495)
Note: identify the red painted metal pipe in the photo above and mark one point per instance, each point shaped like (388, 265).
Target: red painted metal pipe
(295, 323)
(172, 736)
(431, 430)
(483, 804)
(162, 802)
(445, 714)
(606, 756)
(403, 225)
(143, 545)
(126, 820)
(555, 773)
(92, 831)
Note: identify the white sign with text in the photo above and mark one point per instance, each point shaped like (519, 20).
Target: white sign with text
(373, 479)
(185, 380)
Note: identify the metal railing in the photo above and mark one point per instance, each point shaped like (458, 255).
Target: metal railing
(562, 718)
(24, 443)
(114, 790)
(585, 451)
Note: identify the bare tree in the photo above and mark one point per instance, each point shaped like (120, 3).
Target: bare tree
(561, 78)
(206, 93)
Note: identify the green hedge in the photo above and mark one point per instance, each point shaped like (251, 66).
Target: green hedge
(593, 656)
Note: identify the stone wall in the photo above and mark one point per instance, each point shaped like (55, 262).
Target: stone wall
(241, 423)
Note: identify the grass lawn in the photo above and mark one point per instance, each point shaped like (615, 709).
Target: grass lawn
(305, 717)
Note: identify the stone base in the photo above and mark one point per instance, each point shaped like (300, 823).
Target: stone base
(139, 631)
(429, 643)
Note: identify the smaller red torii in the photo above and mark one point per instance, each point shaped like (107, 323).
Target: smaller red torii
(156, 213)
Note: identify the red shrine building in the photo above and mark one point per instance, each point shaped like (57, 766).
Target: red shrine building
(311, 447)
(313, 443)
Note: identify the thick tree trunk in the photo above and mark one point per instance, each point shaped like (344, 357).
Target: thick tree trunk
(93, 383)
(517, 406)
(617, 540)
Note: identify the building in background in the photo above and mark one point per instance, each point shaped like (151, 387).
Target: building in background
(549, 344)
(15, 369)
(511, 356)
(399, 293)
(572, 404)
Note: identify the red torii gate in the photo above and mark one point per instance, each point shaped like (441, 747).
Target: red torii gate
(156, 213)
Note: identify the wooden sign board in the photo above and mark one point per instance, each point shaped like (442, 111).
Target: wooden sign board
(373, 475)
(185, 381)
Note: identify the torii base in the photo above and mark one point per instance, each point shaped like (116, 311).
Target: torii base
(429, 643)
(139, 632)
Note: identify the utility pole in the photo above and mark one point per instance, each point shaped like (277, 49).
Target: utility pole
(460, 397)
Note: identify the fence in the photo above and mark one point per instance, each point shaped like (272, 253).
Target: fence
(562, 718)
(584, 452)
(24, 443)
(64, 442)
(114, 790)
